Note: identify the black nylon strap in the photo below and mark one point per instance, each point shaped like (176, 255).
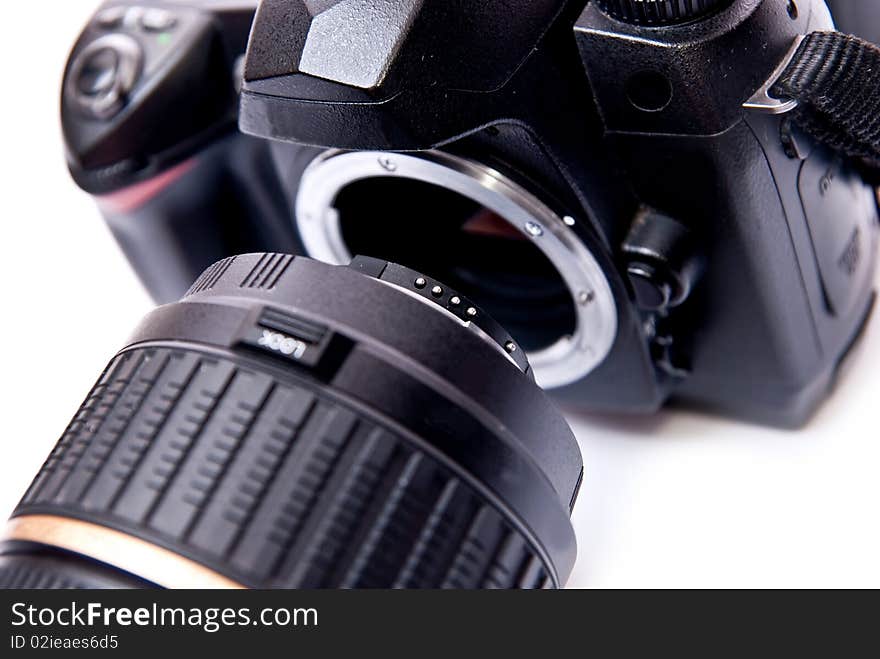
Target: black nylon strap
(836, 80)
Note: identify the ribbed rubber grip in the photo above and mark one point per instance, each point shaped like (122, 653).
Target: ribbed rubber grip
(272, 482)
(24, 574)
(59, 571)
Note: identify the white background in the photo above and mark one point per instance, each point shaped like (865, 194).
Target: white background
(680, 500)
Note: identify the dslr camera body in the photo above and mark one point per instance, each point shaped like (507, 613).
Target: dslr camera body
(598, 176)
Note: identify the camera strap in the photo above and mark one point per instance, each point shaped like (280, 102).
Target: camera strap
(833, 83)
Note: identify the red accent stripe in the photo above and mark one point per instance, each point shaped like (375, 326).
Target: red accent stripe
(138, 195)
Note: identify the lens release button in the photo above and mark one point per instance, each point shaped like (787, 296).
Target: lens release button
(652, 293)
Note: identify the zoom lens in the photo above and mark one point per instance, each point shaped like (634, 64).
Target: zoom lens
(292, 424)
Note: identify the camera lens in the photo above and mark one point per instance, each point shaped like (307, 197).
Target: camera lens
(292, 424)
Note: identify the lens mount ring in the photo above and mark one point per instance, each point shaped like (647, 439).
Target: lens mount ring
(568, 360)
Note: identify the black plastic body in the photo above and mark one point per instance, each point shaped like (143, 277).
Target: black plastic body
(223, 200)
(179, 185)
(371, 456)
(553, 95)
(777, 307)
(183, 98)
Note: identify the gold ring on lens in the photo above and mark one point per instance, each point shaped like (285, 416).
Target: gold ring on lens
(120, 550)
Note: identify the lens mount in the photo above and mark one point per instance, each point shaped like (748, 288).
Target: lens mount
(572, 356)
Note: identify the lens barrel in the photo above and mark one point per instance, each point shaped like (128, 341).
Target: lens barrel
(292, 424)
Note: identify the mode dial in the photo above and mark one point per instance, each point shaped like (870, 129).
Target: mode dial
(660, 12)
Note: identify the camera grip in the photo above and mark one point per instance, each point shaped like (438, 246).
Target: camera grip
(225, 200)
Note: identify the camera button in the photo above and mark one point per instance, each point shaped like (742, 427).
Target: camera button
(103, 75)
(99, 71)
(158, 20)
(652, 293)
(132, 18)
(112, 18)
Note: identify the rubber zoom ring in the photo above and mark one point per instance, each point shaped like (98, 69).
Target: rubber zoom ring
(272, 483)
